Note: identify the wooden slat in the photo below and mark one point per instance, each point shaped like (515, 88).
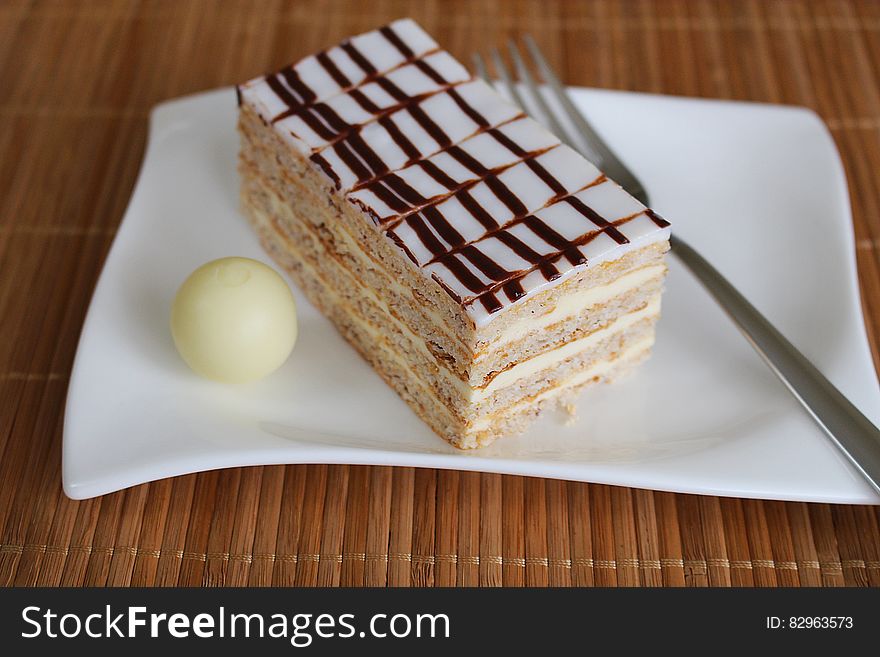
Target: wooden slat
(468, 573)
(266, 528)
(491, 532)
(378, 527)
(79, 82)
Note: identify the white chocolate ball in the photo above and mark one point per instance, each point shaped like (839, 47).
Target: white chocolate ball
(234, 320)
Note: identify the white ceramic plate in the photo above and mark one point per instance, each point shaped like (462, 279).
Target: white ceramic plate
(758, 189)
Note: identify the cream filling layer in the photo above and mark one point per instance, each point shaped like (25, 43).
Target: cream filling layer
(599, 369)
(542, 361)
(574, 304)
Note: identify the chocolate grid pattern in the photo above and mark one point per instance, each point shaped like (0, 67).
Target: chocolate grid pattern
(461, 261)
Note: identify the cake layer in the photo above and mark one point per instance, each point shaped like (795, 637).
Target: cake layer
(462, 398)
(428, 181)
(521, 318)
(507, 357)
(573, 305)
(487, 429)
(527, 369)
(415, 387)
(471, 384)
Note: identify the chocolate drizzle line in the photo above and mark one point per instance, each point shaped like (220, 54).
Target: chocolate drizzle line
(362, 62)
(657, 219)
(399, 138)
(485, 264)
(429, 126)
(291, 78)
(428, 70)
(549, 259)
(391, 89)
(466, 160)
(426, 235)
(390, 198)
(597, 219)
(366, 104)
(281, 91)
(509, 282)
(554, 239)
(345, 153)
(392, 36)
(301, 88)
(439, 176)
(331, 68)
(319, 121)
(474, 116)
(326, 168)
(404, 194)
(443, 227)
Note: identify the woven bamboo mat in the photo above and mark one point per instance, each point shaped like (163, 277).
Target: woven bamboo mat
(78, 80)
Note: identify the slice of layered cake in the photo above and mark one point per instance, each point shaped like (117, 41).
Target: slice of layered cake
(485, 270)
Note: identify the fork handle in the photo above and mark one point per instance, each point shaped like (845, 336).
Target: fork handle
(851, 431)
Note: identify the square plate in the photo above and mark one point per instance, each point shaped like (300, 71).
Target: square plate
(759, 189)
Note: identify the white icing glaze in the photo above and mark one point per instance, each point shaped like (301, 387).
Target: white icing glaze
(414, 81)
(525, 369)
(410, 79)
(561, 162)
(481, 199)
(375, 47)
(485, 148)
(382, 55)
(440, 109)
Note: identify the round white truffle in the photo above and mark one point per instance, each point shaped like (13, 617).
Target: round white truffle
(234, 320)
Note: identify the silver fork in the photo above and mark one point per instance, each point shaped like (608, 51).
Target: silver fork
(848, 428)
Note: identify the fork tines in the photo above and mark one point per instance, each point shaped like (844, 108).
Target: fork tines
(560, 115)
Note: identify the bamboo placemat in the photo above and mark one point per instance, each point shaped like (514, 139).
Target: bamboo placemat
(78, 80)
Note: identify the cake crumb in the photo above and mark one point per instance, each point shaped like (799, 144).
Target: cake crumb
(571, 414)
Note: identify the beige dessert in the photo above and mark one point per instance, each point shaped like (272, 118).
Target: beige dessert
(486, 271)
